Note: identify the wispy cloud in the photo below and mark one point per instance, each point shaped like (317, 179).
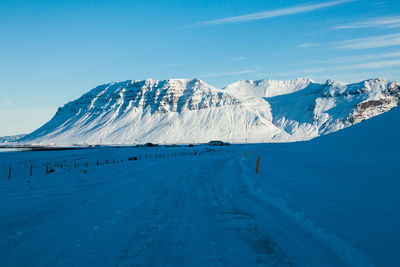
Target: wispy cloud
(380, 64)
(373, 65)
(6, 103)
(371, 42)
(306, 45)
(379, 22)
(313, 70)
(238, 58)
(349, 59)
(381, 4)
(272, 13)
(171, 65)
(220, 74)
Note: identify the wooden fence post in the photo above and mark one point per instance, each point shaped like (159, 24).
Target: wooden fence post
(9, 173)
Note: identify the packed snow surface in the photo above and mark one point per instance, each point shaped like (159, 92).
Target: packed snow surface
(191, 111)
(332, 201)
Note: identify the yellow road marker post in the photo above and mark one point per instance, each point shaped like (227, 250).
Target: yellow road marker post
(258, 164)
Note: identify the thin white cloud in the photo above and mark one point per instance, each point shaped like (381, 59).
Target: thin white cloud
(373, 65)
(381, 64)
(381, 4)
(371, 42)
(272, 14)
(238, 58)
(171, 65)
(306, 45)
(360, 58)
(6, 103)
(220, 74)
(379, 22)
(315, 70)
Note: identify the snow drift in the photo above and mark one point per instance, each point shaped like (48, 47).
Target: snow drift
(190, 111)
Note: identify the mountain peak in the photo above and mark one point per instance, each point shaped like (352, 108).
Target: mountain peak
(267, 87)
(155, 95)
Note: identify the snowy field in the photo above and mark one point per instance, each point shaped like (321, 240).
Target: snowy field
(332, 201)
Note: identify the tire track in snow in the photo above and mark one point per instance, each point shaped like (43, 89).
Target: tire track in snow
(324, 248)
(245, 226)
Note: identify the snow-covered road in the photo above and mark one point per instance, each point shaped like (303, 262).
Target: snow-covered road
(190, 210)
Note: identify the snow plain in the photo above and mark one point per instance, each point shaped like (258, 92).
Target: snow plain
(331, 201)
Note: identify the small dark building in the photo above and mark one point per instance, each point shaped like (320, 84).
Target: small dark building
(216, 143)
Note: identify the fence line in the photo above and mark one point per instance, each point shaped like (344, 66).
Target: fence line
(50, 167)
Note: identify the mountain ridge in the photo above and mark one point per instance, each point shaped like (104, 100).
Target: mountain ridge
(190, 110)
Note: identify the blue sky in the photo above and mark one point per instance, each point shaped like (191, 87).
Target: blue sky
(51, 52)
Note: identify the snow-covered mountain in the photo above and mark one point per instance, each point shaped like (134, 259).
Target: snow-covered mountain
(189, 110)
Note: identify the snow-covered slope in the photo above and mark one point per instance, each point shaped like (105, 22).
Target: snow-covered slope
(11, 138)
(326, 108)
(189, 110)
(342, 187)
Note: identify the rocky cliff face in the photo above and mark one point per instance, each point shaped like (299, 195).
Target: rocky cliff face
(156, 96)
(379, 101)
(183, 111)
